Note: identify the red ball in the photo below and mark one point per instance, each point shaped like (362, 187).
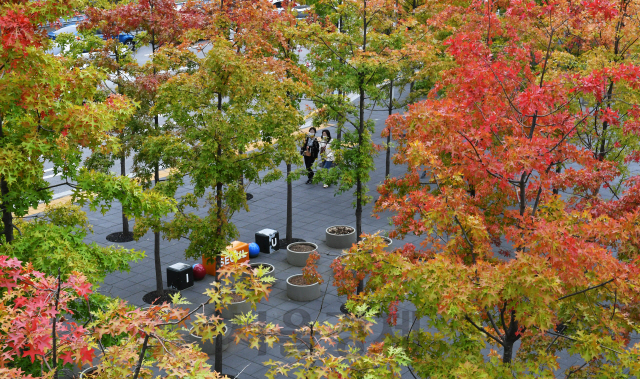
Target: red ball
(199, 272)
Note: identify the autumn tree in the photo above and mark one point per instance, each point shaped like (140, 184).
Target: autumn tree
(608, 131)
(325, 349)
(52, 123)
(238, 126)
(159, 24)
(355, 58)
(506, 258)
(119, 61)
(259, 30)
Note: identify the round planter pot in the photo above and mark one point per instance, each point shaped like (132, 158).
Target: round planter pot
(302, 293)
(389, 242)
(86, 373)
(258, 264)
(209, 347)
(340, 241)
(234, 309)
(299, 259)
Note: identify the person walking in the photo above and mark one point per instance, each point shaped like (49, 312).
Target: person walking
(326, 151)
(310, 151)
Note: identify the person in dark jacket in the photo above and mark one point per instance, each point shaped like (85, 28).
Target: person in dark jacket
(310, 151)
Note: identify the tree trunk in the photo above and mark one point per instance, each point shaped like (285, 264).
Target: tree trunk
(156, 235)
(511, 335)
(125, 220)
(156, 242)
(359, 193)
(388, 158)
(361, 132)
(507, 353)
(123, 166)
(340, 94)
(289, 234)
(7, 217)
(340, 120)
(219, 337)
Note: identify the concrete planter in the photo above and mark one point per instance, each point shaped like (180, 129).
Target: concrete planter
(209, 347)
(302, 293)
(299, 259)
(340, 241)
(87, 373)
(234, 309)
(389, 242)
(258, 264)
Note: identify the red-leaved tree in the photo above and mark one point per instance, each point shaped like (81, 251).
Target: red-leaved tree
(523, 242)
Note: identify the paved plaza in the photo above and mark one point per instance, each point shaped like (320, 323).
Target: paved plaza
(314, 209)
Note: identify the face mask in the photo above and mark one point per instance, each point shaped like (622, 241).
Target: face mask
(325, 138)
(311, 135)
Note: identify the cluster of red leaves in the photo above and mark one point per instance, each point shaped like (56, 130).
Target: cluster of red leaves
(160, 18)
(18, 31)
(28, 308)
(21, 21)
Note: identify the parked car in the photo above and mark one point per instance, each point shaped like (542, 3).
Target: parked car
(72, 20)
(278, 5)
(124, 38)
(63, 21)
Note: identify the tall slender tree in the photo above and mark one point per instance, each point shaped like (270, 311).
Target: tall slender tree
(354, 58)
(241, 124)
(158, 24)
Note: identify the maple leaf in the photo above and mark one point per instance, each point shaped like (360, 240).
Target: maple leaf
(31, 353)
(85, 354)
(67, 357)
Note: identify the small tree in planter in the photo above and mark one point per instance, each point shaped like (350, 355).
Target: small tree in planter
(306, 286)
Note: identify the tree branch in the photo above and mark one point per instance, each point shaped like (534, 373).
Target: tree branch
(585, 290)
(500, 335)
(483, 330)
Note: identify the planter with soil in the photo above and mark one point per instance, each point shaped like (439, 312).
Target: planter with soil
(298, 252)
(209, 347)
(154, 297)
(298, 289)
(340, 236)
(283, 242)
(237, 306)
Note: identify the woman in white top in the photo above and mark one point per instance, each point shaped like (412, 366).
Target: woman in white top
(325, 151)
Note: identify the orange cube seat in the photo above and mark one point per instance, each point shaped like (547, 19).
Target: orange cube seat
(210, 264)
